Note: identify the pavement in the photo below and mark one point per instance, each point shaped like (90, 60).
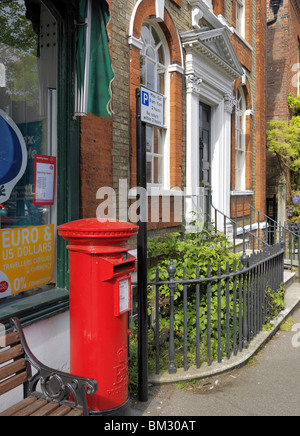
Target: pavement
(265, 381)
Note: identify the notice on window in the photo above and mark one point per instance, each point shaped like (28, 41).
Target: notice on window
(44, 180)
(26, 259)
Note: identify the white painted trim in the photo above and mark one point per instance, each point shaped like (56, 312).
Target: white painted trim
(132, 19)
(241, 193)
(210, 79)
(160, 9)
(132, 40)
(175, 68)
(201, 9)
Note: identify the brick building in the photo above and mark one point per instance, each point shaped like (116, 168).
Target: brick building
(214, 53)
(207, 57)
(282, 78)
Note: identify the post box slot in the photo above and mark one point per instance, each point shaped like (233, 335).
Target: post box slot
(118, 269)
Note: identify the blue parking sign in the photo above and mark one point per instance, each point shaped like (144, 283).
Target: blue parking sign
(145, 98)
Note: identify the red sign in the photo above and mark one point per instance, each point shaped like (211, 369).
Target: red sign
(44, 180)
(3, 287)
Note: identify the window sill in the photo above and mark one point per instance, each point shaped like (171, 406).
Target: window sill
(36, 307)
(241, 193)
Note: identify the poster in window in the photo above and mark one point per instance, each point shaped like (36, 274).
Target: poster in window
(27, 258)
(13, 156)
(44, 180)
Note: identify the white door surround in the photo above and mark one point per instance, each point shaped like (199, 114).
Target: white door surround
(211, 70)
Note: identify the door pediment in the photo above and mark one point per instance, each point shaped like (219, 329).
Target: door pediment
(215, 45)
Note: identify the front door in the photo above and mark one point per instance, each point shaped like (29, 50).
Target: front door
(205, 156)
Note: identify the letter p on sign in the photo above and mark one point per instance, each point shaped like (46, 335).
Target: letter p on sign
(145, 98)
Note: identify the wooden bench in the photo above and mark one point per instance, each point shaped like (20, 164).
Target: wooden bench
(47, 392)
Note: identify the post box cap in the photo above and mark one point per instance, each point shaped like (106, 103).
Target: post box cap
(93, 233)
(96, 227)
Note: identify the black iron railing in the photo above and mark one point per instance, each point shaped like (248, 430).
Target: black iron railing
(252, 230)
(215, 315)
(220, 314)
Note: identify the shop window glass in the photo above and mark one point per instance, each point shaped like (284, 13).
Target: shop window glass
(28, 82)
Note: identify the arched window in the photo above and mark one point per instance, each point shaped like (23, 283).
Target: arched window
(154, 61)
(240, 141)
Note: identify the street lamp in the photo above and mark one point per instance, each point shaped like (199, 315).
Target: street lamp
(275, 5)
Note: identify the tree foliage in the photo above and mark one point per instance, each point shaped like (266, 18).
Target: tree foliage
(16, 29)
(18, 54)
(283, 139)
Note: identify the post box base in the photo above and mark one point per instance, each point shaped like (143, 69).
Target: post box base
(123, 410)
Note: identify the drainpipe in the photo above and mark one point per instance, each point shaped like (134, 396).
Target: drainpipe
(275, 5)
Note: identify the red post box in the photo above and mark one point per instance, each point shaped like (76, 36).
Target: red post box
(100, 299)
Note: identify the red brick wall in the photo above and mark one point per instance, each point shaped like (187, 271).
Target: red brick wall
(282, 55)
(145, 10)
(96, 161)
(177, 2)
(243, 52)
(218, 7)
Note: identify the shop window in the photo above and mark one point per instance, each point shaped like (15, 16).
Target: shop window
(153, 69)
(28, 130)
(240, 141)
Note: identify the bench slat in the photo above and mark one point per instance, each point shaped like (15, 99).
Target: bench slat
(61, 411)
(38, 404)
(46, 410)
(13, 382)
(12, 368)
(11, 353)
(19, 406)
(12, 338)
(75, 412)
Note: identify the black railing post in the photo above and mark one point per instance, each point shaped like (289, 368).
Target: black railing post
(172, 270)
(245, 261)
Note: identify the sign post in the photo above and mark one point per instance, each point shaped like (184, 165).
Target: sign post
(150, 110)
(142, 256)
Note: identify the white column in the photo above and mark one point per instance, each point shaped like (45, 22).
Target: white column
(221, 158)
(192, 146)
(228, 108)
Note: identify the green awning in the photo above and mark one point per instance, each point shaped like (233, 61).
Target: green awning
(94, 73)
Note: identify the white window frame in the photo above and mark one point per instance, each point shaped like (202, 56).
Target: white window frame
(165, 155)
(240, 141)
(240, 21)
